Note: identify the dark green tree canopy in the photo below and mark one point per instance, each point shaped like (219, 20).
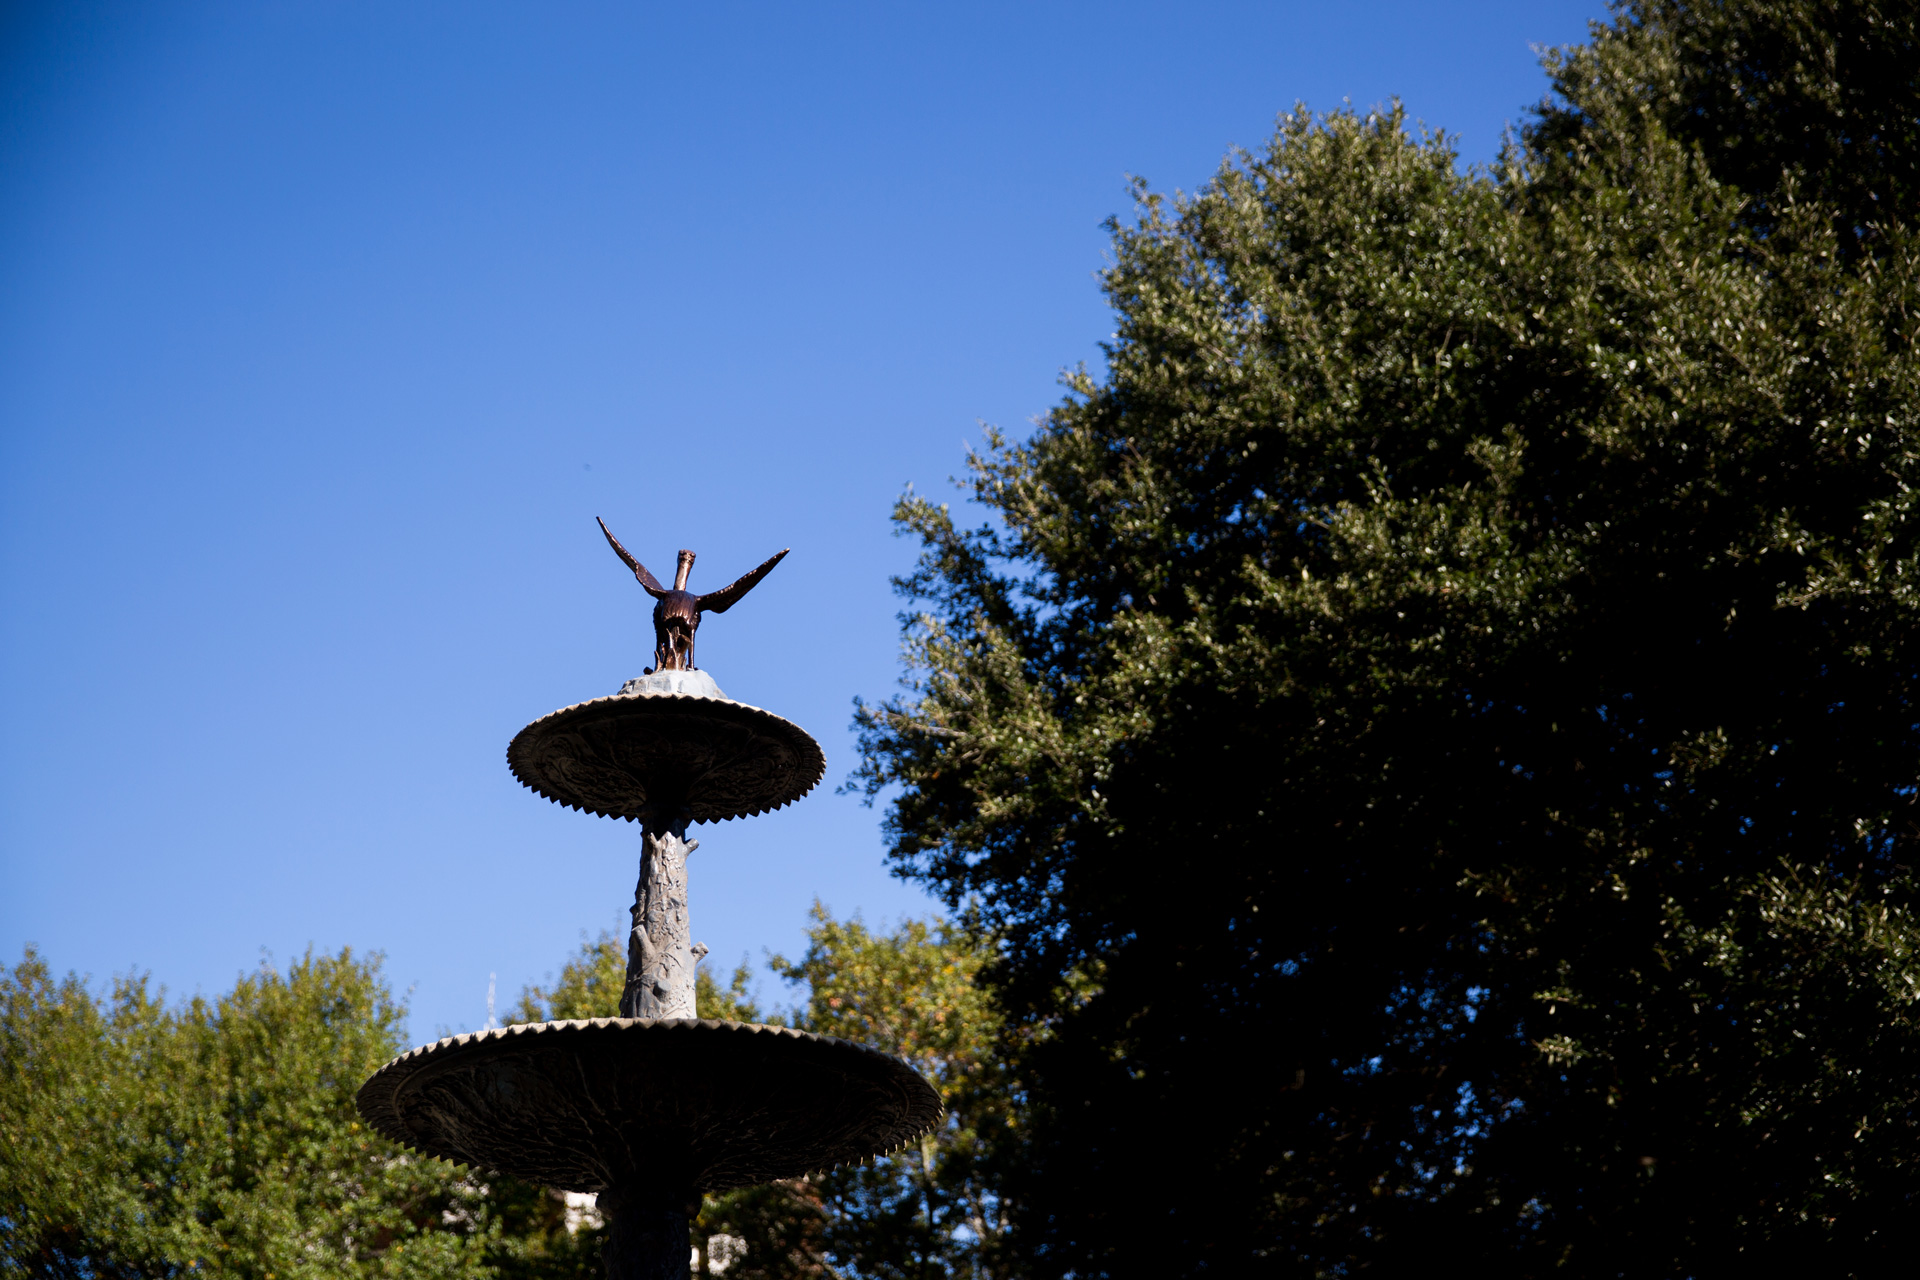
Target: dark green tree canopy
(1433, 723)
(1813, 101)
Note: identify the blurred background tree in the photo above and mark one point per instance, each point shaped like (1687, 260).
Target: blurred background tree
(1432, 725)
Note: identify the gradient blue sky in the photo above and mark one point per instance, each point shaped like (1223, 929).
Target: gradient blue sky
(327, 329)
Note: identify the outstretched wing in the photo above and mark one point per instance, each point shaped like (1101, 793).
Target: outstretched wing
(722, 600)
(647, 580)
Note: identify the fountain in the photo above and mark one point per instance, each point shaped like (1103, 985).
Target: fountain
(655, 1108)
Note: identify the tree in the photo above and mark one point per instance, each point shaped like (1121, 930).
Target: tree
(1805, 100)
(935, 1209)
(138, 1140)
(1432, 728)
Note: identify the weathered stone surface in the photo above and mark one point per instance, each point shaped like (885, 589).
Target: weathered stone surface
(663, 1110)
(693, 684)
(660, 957)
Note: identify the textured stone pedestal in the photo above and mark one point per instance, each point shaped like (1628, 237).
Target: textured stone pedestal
(648, 1235)
(661, 955)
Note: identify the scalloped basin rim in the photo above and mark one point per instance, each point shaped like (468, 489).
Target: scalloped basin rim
(610, 755)
(588, 1104)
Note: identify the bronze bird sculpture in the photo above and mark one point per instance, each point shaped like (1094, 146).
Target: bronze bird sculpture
(676, 612)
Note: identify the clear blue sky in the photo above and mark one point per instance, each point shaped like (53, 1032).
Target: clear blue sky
(326, 329)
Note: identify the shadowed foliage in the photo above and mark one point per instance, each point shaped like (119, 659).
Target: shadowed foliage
(1432, 725)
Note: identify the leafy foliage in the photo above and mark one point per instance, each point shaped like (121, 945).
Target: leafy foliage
(216, 1137)
(591, 981)
(1810, 100)
(1433, 727)
(935, 1209)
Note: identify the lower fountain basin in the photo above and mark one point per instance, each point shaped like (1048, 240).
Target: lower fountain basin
(617, 1102)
